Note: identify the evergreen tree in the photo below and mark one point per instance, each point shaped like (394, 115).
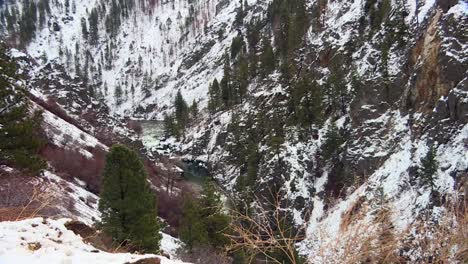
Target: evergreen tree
(276, 140)
(84, 28)
(333, 141)
(242, 77)
(77, 60)
(192, 230)
(305, 102)
(170, 127)
(194, 110)
(226, 86)
(336, 95)
(19, 139)
(215, 221)
(385, 53)
(181, 111)
(236, 46)
(428, 168)
(253, 160)
(113, 19)
(67, 6)
(28, 22)
(214, 97)
(146, 85)
(118, 94)
(127, 205)
(268, 61)
(93, 27)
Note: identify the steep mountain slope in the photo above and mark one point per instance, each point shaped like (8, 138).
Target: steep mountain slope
(359, 93)
(148, 57)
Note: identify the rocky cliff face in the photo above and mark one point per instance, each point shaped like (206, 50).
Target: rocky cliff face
(406, 101)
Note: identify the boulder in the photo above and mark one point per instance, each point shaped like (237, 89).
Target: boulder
(147, 261)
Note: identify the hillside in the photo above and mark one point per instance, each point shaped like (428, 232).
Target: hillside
(348, 115)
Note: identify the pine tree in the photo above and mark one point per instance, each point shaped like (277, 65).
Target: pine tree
(253, 159)
(428, 168)
(267, 59)
(214, 97)
(181, 111)
(67, 6)
(146, 85)
(84, 28)
(305, 102)
(127, 205)
(194, 111)
(192, 230)
(236, 46)
(170, 127)
(276, 142)
(226, 85)
(242, 78)
(28, 22)
(336, 95)
(333, 142)
(215, 221)
(118, 94)
(93, 27)
(19, 139)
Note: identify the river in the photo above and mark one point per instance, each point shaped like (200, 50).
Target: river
(152, 133)
(152, 137)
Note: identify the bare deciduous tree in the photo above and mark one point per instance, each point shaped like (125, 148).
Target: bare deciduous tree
(266, 233)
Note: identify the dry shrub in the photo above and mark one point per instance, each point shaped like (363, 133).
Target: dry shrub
(445, 241)
(170, 209)
(424, 241)
(36, 205)
(71, 163)
(23, 196)
(353, 214)
(52, 106)
(266, 232)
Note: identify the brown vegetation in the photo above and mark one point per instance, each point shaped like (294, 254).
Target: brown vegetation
(265, 232)
(72, 163)
(22, 198)
(424, 241)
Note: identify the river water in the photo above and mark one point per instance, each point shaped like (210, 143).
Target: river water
(153, 137)
(152, 133)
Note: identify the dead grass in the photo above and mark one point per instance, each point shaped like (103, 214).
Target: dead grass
(377, 241)
(35, 206)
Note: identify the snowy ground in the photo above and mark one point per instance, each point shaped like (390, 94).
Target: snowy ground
(38, 240)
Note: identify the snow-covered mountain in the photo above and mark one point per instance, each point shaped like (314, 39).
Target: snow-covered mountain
(160, 47)
(392, 76)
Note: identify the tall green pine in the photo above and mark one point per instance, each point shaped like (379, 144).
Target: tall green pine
(214, 97)
(428, 168)
(333, 141)
(181, 111)
(267, 59)
(216, 222)
(127, 204)
(192, 230)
